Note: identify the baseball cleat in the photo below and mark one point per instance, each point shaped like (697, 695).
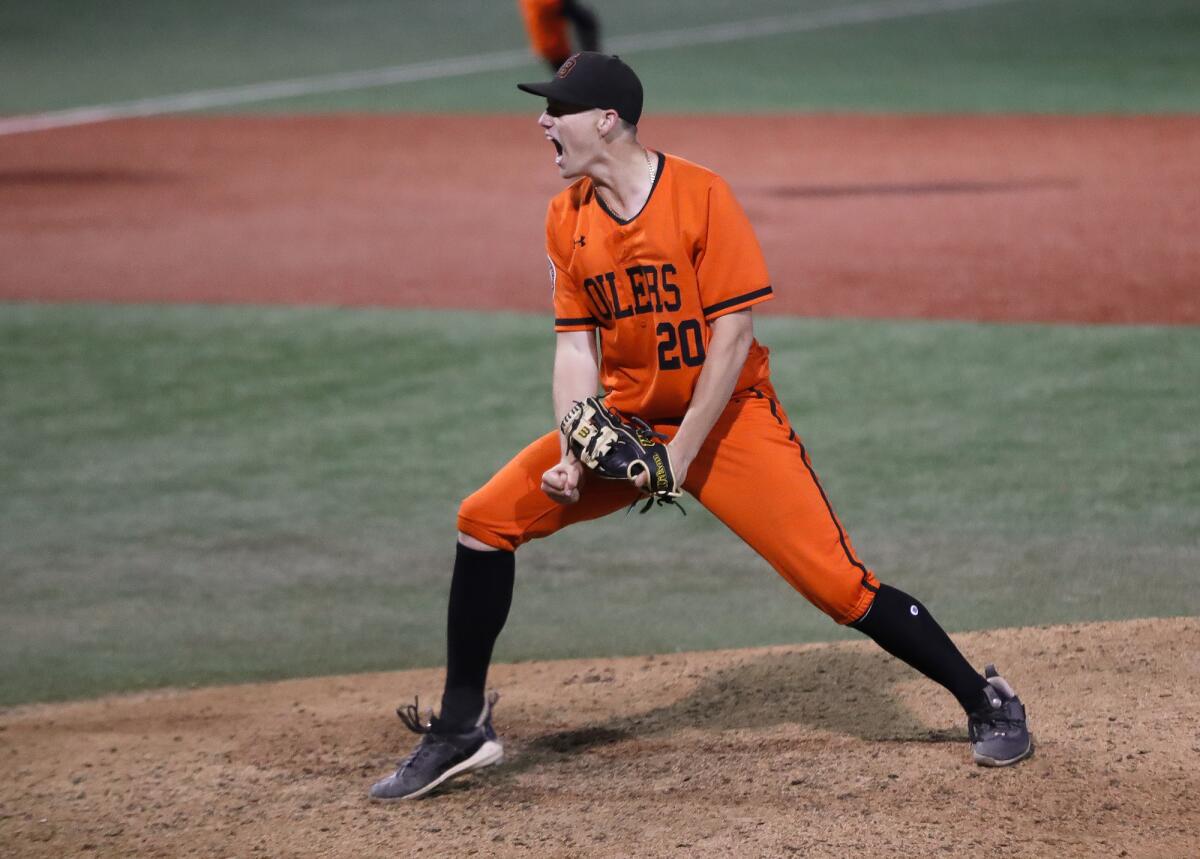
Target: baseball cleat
(440, 756)
(999, 734)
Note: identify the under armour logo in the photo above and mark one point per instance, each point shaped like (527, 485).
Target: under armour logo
(581, 241)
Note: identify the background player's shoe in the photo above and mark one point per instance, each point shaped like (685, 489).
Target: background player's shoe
(440, 756)
(999, 733)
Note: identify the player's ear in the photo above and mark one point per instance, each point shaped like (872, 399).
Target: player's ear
(607, 122)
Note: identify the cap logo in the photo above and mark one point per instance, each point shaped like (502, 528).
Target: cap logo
(567, 66)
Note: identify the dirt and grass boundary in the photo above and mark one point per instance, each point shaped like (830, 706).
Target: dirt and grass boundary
(814, 750)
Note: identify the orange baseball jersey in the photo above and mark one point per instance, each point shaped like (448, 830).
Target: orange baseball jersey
(547, 28)
(653, 284)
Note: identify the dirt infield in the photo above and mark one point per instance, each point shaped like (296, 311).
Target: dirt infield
(815, 750)
(1085, 219)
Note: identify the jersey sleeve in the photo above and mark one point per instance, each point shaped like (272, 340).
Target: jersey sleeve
(730, 268)
(571, 311)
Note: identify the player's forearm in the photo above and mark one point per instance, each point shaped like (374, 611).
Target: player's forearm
(727, 350)
(576, 373)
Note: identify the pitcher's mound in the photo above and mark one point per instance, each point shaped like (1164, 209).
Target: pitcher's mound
(816, 750)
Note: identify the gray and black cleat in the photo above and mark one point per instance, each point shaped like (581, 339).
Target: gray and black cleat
(440, 756)
(999, 733)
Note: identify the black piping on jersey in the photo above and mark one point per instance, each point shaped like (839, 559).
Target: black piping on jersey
(583, 320)
(730, 302)
(866, 576)
(657, 175)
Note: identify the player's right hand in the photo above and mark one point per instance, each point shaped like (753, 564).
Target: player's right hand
(561, 482)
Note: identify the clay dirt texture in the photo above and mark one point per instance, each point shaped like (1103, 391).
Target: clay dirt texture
(1031, 219)
(813, 750)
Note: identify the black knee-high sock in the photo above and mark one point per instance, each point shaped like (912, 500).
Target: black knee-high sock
(480, 595)
(904, 628)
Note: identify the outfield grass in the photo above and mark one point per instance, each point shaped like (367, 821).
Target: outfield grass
(1030, 55)
(211, 494)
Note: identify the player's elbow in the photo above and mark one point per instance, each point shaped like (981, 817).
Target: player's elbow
(733, 333)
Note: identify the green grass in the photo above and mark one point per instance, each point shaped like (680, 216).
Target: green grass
(1049, 55)
(194, 494)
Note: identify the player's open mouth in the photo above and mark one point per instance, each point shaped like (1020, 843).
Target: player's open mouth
(558, 147)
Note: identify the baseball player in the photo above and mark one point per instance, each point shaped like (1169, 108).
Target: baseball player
(546, 22)
(655, 271)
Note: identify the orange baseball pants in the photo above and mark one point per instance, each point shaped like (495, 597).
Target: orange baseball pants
(547, 29)
(752, 473)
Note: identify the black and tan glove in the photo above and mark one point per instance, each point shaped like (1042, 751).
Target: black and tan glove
(620, 450)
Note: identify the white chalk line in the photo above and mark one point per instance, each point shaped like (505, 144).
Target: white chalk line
(860, 13)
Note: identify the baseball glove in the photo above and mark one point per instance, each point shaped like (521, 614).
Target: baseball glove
(621, 450)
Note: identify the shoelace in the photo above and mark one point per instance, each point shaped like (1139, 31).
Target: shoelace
(410, 715)
(997, 721)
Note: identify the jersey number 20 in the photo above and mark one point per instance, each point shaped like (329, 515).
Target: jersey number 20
(684, 342)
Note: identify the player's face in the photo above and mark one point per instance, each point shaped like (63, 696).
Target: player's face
(573, 131)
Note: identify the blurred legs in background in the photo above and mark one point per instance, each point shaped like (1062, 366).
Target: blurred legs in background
(546, 22)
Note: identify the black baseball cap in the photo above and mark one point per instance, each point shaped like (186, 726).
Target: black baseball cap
(590, 79)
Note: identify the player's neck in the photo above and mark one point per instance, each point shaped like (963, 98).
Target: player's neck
(625, 180)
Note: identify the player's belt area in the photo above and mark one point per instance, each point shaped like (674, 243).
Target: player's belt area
(671, 422)
(676, 420)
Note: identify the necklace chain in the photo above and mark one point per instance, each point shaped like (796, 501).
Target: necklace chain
(651, 168)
